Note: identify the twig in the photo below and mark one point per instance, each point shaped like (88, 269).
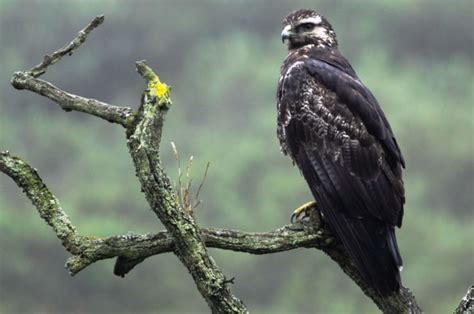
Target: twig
(196, 197)
(178, 163)
(183, 190)
(67, 49)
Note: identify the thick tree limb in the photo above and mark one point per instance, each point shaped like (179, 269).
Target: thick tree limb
(144, 139)
(48, 206)
(87, 250)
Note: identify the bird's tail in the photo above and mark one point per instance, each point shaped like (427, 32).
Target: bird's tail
(369, 242)
(373, 249)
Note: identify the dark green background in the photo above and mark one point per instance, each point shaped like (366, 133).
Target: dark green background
(222, 59)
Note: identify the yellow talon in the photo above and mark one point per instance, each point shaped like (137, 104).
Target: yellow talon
(302, 211)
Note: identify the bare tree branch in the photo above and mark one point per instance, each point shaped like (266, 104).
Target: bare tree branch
(143, 134)
(29, 80)
(144, 139)
(48, 206)
(87, 250)
(132, 249)
(68, 102)
(68, 49)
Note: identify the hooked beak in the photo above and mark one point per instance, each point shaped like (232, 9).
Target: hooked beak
(286, 33)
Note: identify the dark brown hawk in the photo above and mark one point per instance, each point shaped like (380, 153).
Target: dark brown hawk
(334, 130)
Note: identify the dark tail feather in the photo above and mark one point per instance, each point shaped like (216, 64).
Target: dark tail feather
(373, 249)
(392, 244)
(370, 243)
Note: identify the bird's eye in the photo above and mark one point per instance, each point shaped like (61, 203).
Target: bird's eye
(305, 27)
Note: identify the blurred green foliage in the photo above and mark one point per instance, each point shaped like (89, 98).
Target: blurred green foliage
(222, 59)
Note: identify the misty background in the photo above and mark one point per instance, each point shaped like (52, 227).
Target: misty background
(222, 59)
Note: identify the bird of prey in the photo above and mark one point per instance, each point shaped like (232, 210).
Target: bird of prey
(334, 130)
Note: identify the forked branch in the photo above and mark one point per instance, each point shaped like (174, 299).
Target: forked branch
(67, 101)
(87, 250)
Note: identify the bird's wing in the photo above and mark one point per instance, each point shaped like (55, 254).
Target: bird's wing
(341, 148)
(335, 72)
(351, 134)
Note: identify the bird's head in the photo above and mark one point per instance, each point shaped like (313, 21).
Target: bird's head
(306, 27)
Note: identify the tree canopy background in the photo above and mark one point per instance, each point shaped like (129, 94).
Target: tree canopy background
(222, 59)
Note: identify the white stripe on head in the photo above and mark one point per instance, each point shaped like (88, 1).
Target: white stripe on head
(315, 20)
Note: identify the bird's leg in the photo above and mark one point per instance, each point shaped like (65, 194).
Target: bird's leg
(302, 211)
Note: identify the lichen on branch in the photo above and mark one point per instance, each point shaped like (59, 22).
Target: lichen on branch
(144, 142)
(48, 206)
(155, 88)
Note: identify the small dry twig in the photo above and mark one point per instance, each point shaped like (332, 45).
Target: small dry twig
(196, 197)
(184, 189)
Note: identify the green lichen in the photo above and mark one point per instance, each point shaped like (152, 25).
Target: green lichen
(157, 91)
(161, 91)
